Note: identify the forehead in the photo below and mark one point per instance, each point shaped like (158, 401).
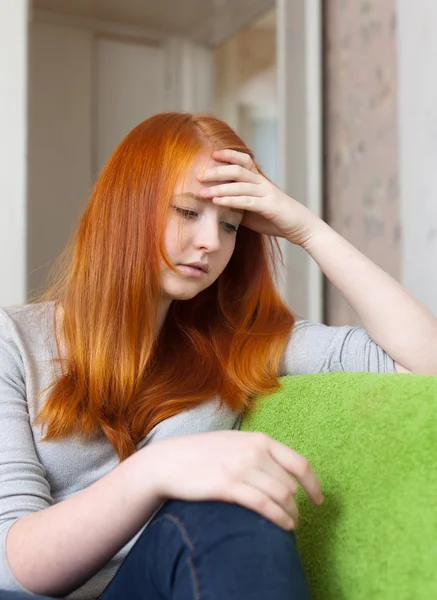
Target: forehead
(202, 162)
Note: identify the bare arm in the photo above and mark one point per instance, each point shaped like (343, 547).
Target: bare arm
(395, 320)
(56, 550)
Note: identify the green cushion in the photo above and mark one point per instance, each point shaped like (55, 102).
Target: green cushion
(372, 440)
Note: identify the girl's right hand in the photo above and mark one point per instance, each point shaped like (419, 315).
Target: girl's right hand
(245, 468)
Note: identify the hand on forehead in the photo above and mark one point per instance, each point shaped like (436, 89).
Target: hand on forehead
(190, 186)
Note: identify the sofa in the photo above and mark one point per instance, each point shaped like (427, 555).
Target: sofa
(372, 441)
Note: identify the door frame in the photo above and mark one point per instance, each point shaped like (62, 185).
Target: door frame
(299, 63)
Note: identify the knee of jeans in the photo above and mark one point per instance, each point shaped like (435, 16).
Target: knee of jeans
(216, 519)
(240, 518)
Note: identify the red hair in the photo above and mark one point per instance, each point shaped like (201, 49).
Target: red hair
(120, 378)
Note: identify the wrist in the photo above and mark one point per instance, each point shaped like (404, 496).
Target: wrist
(143, 474)
(304, 226)
(316, 232)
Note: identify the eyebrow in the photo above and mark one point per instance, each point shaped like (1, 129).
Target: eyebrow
(200, 199)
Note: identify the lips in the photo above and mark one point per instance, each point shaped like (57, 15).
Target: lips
(197, 265)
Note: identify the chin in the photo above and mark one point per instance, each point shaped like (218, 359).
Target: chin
(182, 295)
(175, 287)
(181, 292)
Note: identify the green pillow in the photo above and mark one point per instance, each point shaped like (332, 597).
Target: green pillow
(372, 441)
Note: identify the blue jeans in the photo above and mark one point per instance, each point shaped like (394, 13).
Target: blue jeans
(206, 551)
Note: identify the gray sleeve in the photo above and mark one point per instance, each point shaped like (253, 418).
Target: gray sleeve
(23, 486)
(316, 348)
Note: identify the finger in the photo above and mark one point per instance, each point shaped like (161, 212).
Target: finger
(235, 157)
(229, 173)
(231, 189)
(237, 202)
(252, 498)
(297, 465)
(274, 469)
(278, 491)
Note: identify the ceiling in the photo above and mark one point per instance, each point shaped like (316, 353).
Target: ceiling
(207, 21)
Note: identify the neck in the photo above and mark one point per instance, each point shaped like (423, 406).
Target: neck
(163, 309)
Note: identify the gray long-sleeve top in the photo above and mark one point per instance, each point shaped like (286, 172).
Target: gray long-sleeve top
(35, 475)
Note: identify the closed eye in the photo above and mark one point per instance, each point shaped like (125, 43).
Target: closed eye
(230, 228)
(186, 213)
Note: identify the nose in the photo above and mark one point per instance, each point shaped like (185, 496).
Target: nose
(208, 235)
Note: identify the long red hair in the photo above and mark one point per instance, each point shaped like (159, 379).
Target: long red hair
(119, 378)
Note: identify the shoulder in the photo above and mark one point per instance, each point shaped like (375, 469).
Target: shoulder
(23, 321)
(318, 348)
(26, 314)
(306, 349)
(25, 331)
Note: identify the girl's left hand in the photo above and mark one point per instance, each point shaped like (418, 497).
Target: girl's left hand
(268, 209)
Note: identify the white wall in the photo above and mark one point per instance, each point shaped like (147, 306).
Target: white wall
(417, 77)
(13, 128)
(194, 66)
(130, 88)
(60, 130)
(135, 80)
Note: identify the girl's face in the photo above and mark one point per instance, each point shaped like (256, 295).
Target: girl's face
(199, 233)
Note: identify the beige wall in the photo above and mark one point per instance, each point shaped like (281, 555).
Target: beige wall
(361, 147)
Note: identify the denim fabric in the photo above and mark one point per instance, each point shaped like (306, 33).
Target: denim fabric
(207, 551)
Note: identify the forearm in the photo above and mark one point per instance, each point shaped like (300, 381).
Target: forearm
(395, 320)
(54, 551)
